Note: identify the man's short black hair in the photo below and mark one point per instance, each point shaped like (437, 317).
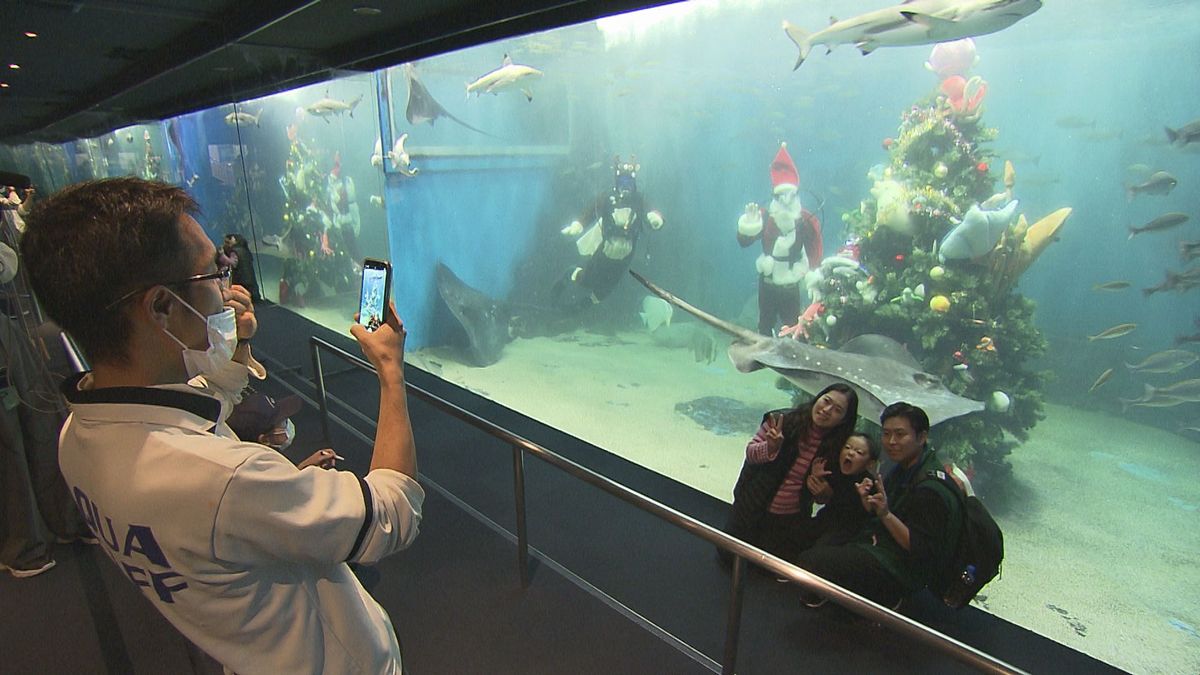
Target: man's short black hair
(915, 416)
(91, 243)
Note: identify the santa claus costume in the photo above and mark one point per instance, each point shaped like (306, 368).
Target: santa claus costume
(791, 244)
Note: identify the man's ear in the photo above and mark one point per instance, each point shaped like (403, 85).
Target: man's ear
(157, 304)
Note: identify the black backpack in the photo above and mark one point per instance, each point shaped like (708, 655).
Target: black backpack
(978, 550)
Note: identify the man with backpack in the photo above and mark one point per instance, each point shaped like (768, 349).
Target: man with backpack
(912, 541)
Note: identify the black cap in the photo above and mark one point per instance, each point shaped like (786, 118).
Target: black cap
(258, 413)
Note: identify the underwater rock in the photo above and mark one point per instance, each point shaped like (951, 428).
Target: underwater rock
(721, 415)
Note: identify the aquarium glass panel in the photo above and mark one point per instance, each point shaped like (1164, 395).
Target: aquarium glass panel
(1000, 230)
(317, 195)
(993, 216)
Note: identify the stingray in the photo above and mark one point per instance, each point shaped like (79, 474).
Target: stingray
(485, 320)
(422, 107)
(880, 369)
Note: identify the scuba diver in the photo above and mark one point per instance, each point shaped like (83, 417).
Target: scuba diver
(616, 219)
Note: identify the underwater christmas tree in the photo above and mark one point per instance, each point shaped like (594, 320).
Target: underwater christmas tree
(932, 260)
(319, 259)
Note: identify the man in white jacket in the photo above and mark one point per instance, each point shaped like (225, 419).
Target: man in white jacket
(243, 552)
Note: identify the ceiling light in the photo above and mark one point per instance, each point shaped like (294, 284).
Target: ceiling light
(14, 66)
(364, 10)
(30, 34)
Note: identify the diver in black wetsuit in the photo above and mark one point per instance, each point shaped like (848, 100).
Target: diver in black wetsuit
(615, 221)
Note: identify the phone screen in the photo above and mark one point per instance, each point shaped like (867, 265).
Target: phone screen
(375, 281)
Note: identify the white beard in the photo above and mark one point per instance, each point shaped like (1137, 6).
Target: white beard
(785, 217)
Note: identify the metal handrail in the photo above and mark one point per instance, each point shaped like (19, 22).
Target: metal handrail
(741, 550)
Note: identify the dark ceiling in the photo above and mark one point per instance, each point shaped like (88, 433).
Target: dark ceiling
(97, 65)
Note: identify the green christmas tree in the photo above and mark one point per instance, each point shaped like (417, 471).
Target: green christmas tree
(318, 264)
(960, 317)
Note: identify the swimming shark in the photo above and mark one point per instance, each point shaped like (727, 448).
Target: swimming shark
(507, 76)
(422, 107)
(879, 369)
(326, 107)
(914, 22)
(243, 118)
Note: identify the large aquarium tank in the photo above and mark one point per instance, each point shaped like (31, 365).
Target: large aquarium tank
(1003, 228)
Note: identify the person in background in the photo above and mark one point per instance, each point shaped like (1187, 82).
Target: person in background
(606, 236)
(15, 206)
(773, 497)
(241, 551)
(791, 244)
(241, 262)
(897, 553)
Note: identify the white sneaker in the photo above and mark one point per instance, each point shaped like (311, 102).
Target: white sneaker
(23, 574)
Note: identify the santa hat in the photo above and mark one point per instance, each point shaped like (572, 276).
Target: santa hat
(783, 169)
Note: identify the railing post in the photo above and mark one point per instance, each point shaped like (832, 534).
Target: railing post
(322, 396)
(734, 620)
(519, 498)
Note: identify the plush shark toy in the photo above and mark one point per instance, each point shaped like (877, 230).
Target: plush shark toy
(977, 233)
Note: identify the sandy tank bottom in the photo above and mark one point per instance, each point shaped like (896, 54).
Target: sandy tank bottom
(1101, 531)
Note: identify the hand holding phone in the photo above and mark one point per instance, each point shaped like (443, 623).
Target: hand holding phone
(375, 294)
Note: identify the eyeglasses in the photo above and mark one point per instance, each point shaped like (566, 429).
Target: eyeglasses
(223, 274)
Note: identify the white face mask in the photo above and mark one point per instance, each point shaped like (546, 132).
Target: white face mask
(222, 340)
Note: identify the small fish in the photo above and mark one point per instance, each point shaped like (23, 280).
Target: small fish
(1176, 281)
(1169, 361)
(1118, 285)
(1159, 183)
(1186, 390)
(1163, 222)
(1097, 135)
(1114, 332)
(1188, 133)
(1104, 377)
(1074, 122)
(1189, 250)
(1153, 397)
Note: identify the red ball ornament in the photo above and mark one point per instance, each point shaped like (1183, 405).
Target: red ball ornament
(981, 167)
(888, 143)
(899, 257)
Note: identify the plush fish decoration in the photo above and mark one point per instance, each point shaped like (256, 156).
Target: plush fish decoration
(977, 233)
(655, 312)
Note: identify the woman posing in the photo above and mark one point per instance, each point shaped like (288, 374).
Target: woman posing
(773, 497)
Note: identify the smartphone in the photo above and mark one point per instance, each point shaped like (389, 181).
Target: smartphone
(376, 292)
